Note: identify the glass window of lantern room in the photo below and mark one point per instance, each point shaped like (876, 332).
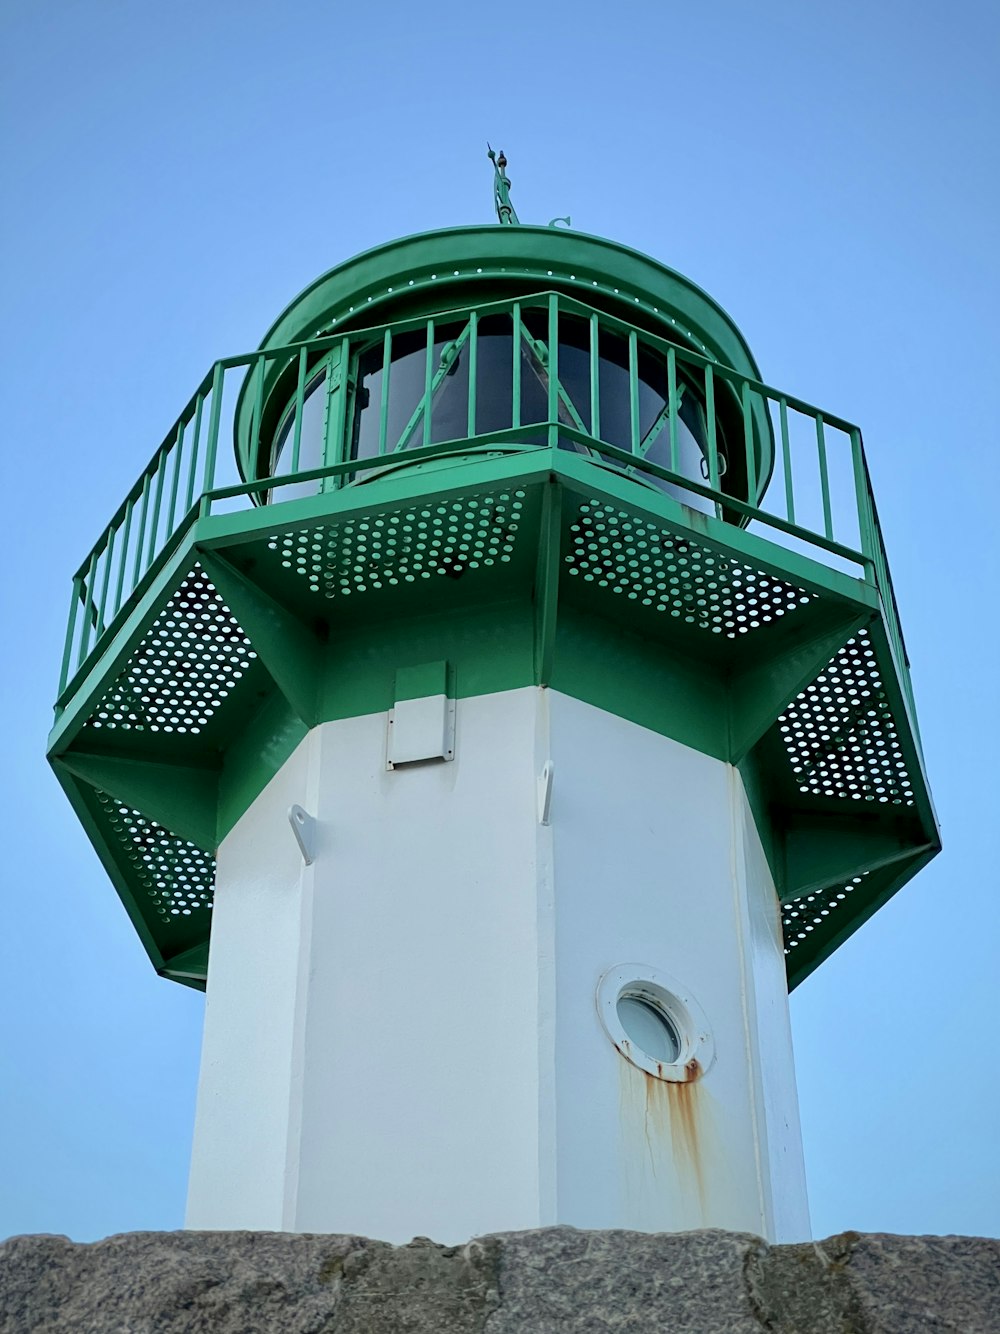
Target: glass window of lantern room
(412, 389)
(311, 441)
(322, 423)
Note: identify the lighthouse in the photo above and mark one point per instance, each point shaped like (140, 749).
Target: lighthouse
(491, 693)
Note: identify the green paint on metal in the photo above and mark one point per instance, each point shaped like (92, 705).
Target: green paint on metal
(428, 678)
(501, 189)
(291, 654)
(818, 923)
(489, 563)
(189, 967)
(823, 850)
(788, 660)
(181, 798)
(628, 674)
(546, 594)
(254, 755)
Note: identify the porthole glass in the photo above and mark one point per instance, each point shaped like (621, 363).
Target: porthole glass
(649, 1027)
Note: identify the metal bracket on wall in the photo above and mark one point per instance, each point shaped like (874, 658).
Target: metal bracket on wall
(304, 829)
(545, 792)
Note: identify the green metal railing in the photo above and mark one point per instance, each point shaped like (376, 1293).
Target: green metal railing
(819, 497)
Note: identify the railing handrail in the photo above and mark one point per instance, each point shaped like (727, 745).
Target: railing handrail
(155, 532)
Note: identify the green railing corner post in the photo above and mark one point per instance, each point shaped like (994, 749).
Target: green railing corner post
(67, 658)
(866, 532)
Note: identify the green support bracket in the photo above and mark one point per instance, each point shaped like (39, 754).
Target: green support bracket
(881, 885)
(790, 659)
(289, 651)
(820, 851)
(189, 967)
(110, 859)
(547, 581)
(180, 798)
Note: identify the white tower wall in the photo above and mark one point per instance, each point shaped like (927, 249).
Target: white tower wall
(403, 1037)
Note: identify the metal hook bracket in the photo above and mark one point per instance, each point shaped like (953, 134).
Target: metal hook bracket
(304, 829)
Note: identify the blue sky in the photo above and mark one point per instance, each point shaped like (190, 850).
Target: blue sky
(175, 174)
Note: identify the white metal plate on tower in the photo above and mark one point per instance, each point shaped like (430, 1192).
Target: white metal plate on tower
(420, 729)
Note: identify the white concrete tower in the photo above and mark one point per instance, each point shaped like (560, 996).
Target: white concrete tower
(520, 744)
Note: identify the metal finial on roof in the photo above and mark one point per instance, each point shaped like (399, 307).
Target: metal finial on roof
(501, 188)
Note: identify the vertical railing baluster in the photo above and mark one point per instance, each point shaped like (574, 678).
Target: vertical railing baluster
(428, 381)
(866, 527)
(161, 471)
(88, 607)
(633, 391)
(824, 477)
(672, 406)
(335, 447)
(786, 460)
(553, 396)
(212, 444)
(199, 403)
(515, 384)
(67, 657)
(141, 535)
(256, 421)
(123, 559)
(300, 398)
(595, 378)
(713, 458)
(751, 453)
(175, 484)
(109, 554)
(473, 372)
(383, 412)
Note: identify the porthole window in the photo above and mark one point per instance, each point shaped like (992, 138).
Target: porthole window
(655, 1023)
(649, 1026)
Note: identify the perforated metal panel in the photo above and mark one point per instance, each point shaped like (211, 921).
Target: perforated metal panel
(177, 876)
(840, 734)
(675, 575)
(396, 547)
(189, 661)
(801, 917)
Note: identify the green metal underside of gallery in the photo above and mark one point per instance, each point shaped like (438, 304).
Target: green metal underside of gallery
(536, 567)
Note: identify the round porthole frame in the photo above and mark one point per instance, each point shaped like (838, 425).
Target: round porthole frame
(674, 1001)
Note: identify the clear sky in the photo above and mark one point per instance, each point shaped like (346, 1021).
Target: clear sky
(173, 174)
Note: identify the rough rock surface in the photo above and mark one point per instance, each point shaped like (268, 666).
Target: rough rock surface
(552, 1281)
